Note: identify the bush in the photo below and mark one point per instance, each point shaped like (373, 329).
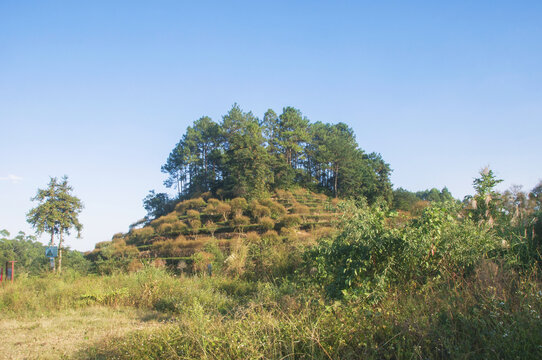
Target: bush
(253, 238)
(119, 249)
(165, 228)
(195, 224)
(141, 235)
(239, 221)
(441, 244)
(179, 227)
(211, 227)
(290, 221)
(135, 265)
(267, 223)
(166, 219)
(284, 195)
(271, 237)
(193, 214)
(368, 255)
(196, 204)
(212, 247)
(301, 209)
(213, 202)
(277, 210)
(321, 197)
(260, 211)
(238, 205)
(169, 247)
(224, 210)
(201, 260)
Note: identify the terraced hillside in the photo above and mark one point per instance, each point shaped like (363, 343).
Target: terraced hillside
(227, 233)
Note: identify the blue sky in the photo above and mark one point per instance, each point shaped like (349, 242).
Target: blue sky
(101, 91)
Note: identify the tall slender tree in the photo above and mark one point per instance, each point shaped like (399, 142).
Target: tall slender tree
(175, 167)
(293, 133)
(70, 208)
(57, 212)
(246, 162)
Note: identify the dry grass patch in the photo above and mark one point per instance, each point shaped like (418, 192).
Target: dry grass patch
(62, 334)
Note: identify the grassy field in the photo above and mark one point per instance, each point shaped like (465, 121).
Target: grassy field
(373, 285)
(154, 315)
(63, 333)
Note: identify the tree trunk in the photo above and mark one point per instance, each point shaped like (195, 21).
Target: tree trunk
(336, 177)
(52, 243)
(60, 253)
(205, 168)
(178, 185)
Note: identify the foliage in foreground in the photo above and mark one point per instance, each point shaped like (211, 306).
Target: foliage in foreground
(454, 281)
(371, 253)
(495, 313)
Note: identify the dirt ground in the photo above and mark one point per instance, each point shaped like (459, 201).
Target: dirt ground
(61, 335)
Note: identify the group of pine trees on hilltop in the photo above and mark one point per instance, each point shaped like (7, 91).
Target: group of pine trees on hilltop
(246, 156)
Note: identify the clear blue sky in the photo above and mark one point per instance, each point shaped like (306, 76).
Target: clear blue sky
(102, 90)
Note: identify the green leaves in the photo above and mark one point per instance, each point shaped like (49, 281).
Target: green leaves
(369, 254)
(242, 156)
(57, 210)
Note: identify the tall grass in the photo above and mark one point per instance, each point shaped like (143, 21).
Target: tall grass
(463, 320)
(493, 314)
(149, 288)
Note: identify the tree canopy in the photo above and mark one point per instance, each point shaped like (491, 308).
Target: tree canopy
(245, 156)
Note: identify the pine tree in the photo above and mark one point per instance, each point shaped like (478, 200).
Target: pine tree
(56, 213)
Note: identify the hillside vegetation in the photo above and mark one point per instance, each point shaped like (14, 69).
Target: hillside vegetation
(226, 234)
(324, 279)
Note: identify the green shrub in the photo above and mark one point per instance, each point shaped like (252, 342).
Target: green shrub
(440, 243)
(195, 204)
(238, 205)
(169, 247)
(290, 221)
(179, 227)
(301, 209)
(267, 223)
(218, 258)
(211, 227)
(165, 228)
(213, 202)
(193, 214)
(141, 235)
(224, 210)
(195, 224)
(368, 254)
(260, 211)
(240, 220)
(166, 219)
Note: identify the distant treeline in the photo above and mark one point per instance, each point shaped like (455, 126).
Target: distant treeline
(30, 255)
(407, 200)
(245, 156)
